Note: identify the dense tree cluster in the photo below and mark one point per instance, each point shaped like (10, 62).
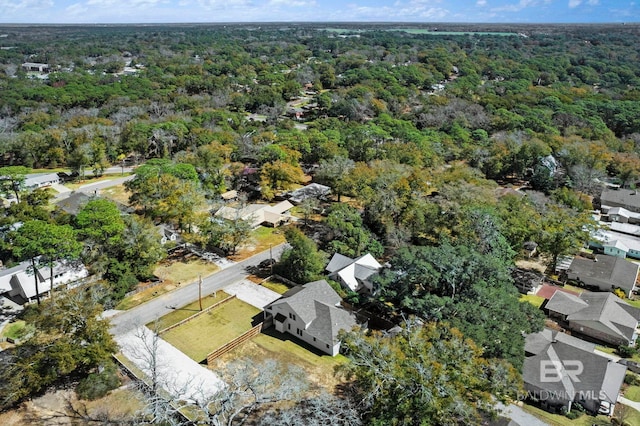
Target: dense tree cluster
(445, 154)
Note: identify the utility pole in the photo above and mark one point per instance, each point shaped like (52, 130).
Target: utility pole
(200, 290)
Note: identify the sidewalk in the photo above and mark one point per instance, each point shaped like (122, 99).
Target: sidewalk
(628, 402)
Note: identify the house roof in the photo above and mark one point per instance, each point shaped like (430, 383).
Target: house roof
(599, 378)
(352, 272)
(329, 321)
(24, 277)
(313, 190)
(605, 272)
(229, 195)
(316, 304)
(38, 179)
(604, 312)
(257, 213)
(620, 197)
(74, 202)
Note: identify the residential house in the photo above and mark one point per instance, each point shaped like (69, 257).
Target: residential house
(40, 180)
(35, 67)
(353, 274)
(600, 316)
(259, 214)
(18, 283)
(74, 202)
(604, 273)
(622, 215)
(229, 195)
(629, 199)
(561, 370)
(313, 190)
(312, 313)
(167, 234)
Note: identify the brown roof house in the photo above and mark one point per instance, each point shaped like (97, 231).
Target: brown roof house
(604, 273)
(600, 316)
(561, 370)
(312, 312)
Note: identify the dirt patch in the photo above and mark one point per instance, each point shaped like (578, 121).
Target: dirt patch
(532, 264)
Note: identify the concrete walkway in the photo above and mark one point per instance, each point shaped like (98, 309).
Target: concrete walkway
(628, 402)
(519, 416)
(252, 293)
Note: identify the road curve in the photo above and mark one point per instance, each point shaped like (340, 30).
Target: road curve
(187, 293)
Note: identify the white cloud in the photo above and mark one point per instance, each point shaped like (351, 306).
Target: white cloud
(292, 3)
(13, 5)
(481, 3)
(593, 2)
(574, 3)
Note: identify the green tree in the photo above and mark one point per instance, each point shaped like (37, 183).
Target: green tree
(349, 236)
(303, 262)
(12, 179)
(44, 244)
(426, 375)
(70, 338)
(563, 231)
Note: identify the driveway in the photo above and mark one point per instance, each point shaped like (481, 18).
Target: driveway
(122, 322)
(252, 293)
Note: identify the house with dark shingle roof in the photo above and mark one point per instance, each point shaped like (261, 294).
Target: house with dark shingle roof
(312, 312)
(604, 273)
(620, 197)
(600, 316)
(561, 370)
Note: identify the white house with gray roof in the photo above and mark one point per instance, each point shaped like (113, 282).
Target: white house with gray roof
(312, 312)
(561, 370)
(354, 274)
(600, 316)
(604, 273)
(19, 282)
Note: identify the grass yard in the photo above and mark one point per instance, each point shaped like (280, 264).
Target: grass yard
(185, 312)
(184, 272)
(558, 420)
(633, 393)
(535, 300)
(209, 331)
(116, 193)
(633, 302)
(286, 350)
(13, 330)
(89, 180)
(276, 286)
(261, 239)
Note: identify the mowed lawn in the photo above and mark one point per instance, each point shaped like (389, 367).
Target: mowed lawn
(202, 335)
(185, 312)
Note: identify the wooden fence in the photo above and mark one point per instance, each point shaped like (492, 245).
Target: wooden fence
(197, 314)
(234, 343)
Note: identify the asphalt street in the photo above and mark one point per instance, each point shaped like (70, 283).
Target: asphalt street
(128, 320)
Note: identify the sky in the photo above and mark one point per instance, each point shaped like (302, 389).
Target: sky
(175, 11)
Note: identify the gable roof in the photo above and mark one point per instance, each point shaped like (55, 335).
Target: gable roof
(627, 198)
(74, 202)
(302, 299)
(600, 377)
(313, 190)
(352, 272)
(604, 312)
(256, 213)
(605, 272)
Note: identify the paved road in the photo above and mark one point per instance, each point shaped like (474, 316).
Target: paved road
(187, 293)
(91, 188)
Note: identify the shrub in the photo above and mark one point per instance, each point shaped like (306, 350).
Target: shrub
(632, 379)
(626, 351)
(97, 385)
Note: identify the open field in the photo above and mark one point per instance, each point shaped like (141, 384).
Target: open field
(209, 331)
(185, 312)
(116, 193)
(261, 239)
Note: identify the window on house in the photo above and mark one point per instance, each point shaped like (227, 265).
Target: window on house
(327, 346)
(314, 339)
(289, 326)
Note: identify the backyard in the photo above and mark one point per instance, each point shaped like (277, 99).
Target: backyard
(262, 238)
(185, 312)
(202, 335)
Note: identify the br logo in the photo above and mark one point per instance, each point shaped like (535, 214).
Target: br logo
(557, 371)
